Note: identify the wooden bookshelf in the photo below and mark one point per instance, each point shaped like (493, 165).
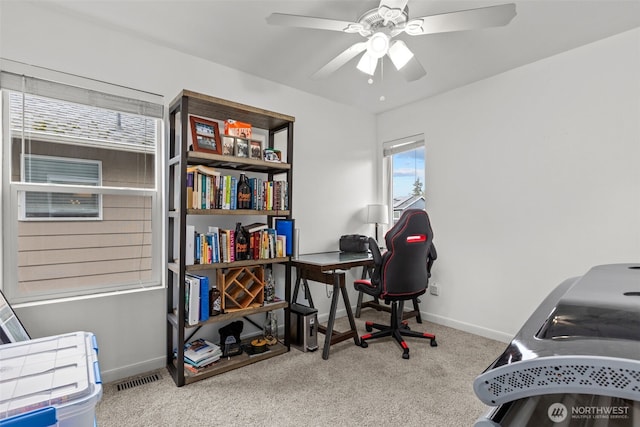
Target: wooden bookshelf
(244, 293)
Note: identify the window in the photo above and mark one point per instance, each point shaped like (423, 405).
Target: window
(56, 170)
(405, 164)
(81, 169)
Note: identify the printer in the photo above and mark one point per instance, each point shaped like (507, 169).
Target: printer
(576, 360)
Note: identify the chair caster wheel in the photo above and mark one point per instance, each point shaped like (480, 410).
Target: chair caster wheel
(368, 327)
(406, 327)
(434, 343)
(364, 344)
(405, 355)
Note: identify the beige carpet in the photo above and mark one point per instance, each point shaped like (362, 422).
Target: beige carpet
(354, 387)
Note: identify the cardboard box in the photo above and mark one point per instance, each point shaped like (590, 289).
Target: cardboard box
(236, 128)
(50, 381)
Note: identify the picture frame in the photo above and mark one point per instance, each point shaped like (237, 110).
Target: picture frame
(205, 135)
(11, 328)
(255, 149)
(228, 145)
(285, 227)
(242, 147)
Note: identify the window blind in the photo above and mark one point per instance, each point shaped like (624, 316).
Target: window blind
(408, 143)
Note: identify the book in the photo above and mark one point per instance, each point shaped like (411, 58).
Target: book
(204, 170)
(203, 296)
(281, 245)
(189, 254)
(256, 226)
(215, 241)
(201, 352)
(224, 245)
(192, 300)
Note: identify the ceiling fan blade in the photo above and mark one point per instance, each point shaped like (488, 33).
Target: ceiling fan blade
(337, 62)
(307, 22)
(412, 70)
(492, 16)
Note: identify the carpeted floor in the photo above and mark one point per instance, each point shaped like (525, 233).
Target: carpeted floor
(354, 387)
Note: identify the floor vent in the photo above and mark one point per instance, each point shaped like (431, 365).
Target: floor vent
(138, 381)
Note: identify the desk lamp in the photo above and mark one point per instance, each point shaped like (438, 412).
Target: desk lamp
(377, 214)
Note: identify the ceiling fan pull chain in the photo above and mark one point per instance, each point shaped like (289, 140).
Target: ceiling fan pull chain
(382, 97)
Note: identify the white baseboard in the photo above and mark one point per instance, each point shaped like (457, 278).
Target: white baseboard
(132, 370)
(468, 327)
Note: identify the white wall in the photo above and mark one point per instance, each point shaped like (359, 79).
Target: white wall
(334, 150)
(532, 177)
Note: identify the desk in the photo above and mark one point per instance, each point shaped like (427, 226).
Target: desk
(329, 268)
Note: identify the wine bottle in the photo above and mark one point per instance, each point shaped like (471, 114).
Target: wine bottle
(243, 193)
(242, 243)
(270, 328)
(269, 287)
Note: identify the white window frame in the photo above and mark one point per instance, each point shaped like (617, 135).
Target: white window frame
(61, 180)
(66, 87)
(389, 148)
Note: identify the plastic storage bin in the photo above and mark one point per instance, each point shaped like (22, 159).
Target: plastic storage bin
(51, 381)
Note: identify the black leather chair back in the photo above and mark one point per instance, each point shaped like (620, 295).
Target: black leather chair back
(404, 272)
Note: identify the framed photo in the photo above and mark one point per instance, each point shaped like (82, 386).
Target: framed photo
(285, 227)
(255, 149)
(228, 145)
(242, 147)
(205, 135)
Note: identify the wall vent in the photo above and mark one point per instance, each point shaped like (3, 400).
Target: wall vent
(134, 382)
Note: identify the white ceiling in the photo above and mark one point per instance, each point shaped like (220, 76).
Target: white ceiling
(235, 34)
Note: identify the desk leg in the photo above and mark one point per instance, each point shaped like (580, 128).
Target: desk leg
(332, 315)
(359, 305)
(366, 271)
(294, 299)
(352, 321)
(300, 279)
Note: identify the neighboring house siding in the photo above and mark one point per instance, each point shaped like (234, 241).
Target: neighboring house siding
(72, 254)
(411, 202)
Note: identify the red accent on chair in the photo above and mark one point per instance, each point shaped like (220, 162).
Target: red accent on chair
(416, 239)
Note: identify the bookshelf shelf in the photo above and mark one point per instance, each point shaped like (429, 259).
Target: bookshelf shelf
(226, 365)
(244, 294)
(236, 212)
(233, 315)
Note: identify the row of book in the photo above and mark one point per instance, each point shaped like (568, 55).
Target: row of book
(207, 189)
(196, 299)
(219, 245)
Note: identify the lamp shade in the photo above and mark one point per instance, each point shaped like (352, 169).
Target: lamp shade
(377, 214)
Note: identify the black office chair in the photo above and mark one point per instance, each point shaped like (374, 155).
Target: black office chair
(401, 274)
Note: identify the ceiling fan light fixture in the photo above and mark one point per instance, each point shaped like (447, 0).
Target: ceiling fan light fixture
(367, 64)
(400, 54)
(378, 45)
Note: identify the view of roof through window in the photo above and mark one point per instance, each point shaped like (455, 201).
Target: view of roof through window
(50, 118)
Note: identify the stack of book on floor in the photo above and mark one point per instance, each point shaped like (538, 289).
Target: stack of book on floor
(200, 354)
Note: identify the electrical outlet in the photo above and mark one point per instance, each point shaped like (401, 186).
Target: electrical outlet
(434, 289)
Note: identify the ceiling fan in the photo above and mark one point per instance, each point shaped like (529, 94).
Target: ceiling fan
(388, 20)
